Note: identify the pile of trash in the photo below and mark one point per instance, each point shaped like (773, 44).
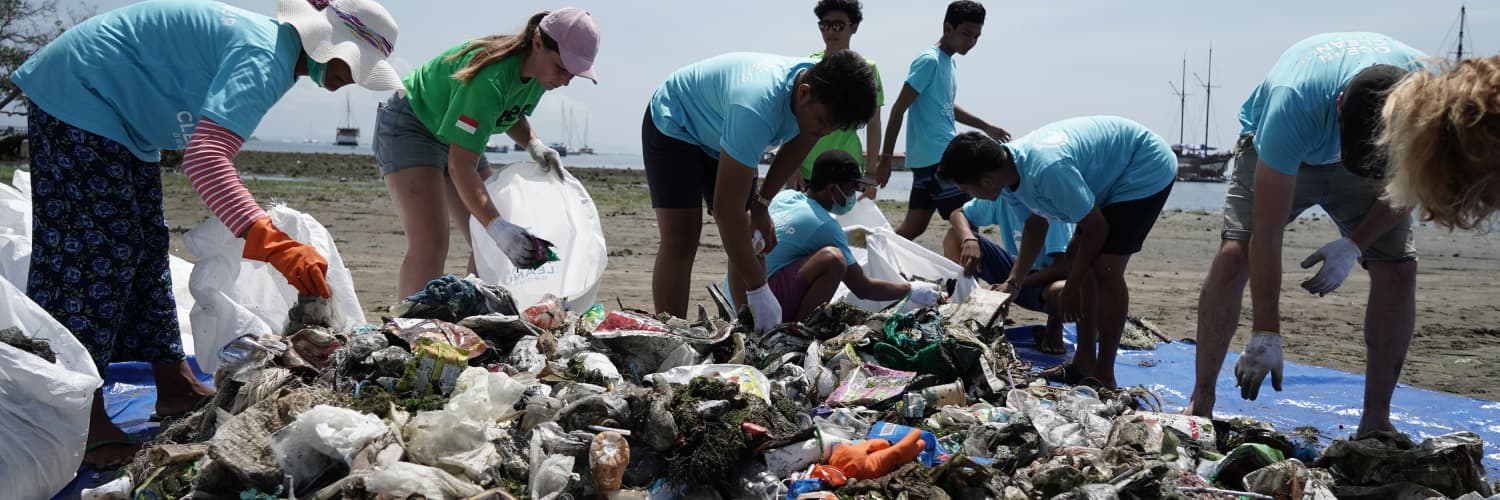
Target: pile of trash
(462, 393)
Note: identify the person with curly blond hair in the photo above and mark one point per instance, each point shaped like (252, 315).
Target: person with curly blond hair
(1442, 133)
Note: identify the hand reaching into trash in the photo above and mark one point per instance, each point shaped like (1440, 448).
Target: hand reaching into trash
(525, 250)
(925, 294)
(873, 458)
(545, 156)
(764, 307)
(1337, 258)
(303, 266)
(1261, 355)
(969, 256)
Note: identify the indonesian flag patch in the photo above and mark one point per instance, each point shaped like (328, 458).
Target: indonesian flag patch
(467, 124)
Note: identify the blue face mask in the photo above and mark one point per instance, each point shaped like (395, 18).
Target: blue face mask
(844, 207)
(316, 71)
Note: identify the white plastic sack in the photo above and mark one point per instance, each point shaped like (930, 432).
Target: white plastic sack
(888, 256)
(557, 210)
(866, 214)
(44, 407)
(235, 296)
(402, 480)
(322, 436)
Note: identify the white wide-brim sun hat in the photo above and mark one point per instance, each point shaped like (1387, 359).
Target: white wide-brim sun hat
(359, 32)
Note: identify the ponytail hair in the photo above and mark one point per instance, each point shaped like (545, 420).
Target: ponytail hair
(496, 47)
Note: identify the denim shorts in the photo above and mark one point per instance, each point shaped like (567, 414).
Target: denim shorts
(402, 141)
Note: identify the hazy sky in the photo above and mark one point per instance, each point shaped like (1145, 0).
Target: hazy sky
(1036, 62)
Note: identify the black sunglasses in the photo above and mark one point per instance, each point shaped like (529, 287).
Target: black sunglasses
(834, 26)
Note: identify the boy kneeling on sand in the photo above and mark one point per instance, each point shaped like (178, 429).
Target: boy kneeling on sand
(1108, 175)
(812, 254)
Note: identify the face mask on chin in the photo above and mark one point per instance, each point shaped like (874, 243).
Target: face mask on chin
(843, 207)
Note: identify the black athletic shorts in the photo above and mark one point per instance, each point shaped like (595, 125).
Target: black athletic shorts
(927, 193)
(1130, 222)
(678, 174)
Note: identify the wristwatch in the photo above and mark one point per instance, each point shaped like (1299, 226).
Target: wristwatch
(762, 200)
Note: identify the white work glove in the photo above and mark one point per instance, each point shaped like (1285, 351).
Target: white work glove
(925, 294)
(545, 156)
(525, 250)
(1262, 355)
(764, 307)
(1337, 257)
(758, 242)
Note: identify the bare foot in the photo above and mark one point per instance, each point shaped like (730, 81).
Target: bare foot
(1049, 340)
(108, 447)
(177, 390)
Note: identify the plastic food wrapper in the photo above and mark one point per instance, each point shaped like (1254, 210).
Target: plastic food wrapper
(412, 329)
(869, 384)
(750, 380)
(313, 346)
(434, 362)
(548, 314)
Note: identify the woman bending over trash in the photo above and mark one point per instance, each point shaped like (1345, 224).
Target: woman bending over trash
(452, 104)
(1443, 135)
(105, 98)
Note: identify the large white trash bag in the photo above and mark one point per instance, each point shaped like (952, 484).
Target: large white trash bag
(890, 257)
(235, 296)
(557, 210)
(44, 407)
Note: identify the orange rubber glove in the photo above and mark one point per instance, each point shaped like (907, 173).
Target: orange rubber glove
(303, 266)
(873, 458)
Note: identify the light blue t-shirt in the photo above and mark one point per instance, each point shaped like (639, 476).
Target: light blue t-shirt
(930, 123)
(802, 227)
(1294, 112)
(1070, 166)
(143, 75)
(738, 103)
(1011, 220)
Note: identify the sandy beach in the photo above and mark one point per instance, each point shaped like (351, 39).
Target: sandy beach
(1456, 349)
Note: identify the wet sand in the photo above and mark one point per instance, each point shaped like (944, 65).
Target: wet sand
(1456, 349)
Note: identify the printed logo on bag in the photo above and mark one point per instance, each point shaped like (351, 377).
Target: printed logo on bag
(467, 124)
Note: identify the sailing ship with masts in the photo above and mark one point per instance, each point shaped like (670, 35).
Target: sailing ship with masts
(1198, 162)
(347, 134)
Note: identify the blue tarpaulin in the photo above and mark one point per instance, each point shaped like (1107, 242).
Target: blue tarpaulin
(130, 400)
(1327, 399)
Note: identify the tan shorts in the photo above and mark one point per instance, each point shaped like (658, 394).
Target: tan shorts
(1345, 196)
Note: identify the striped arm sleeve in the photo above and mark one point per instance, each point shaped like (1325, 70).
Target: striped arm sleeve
(208, 163)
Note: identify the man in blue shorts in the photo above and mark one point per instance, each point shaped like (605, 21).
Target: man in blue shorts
(992, 262)
(930, 92)
(812, 256)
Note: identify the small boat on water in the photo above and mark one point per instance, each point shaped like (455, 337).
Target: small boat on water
(347, 134)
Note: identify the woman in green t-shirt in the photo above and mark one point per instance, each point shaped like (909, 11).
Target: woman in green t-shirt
(453, 104)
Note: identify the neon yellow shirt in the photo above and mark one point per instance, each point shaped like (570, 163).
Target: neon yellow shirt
(845, 139)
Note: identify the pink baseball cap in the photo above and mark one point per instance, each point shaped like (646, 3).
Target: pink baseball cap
(577, 39)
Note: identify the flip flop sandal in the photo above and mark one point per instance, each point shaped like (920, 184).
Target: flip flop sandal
(1064, 374)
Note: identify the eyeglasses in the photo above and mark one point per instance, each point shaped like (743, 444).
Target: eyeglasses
(834, 26)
